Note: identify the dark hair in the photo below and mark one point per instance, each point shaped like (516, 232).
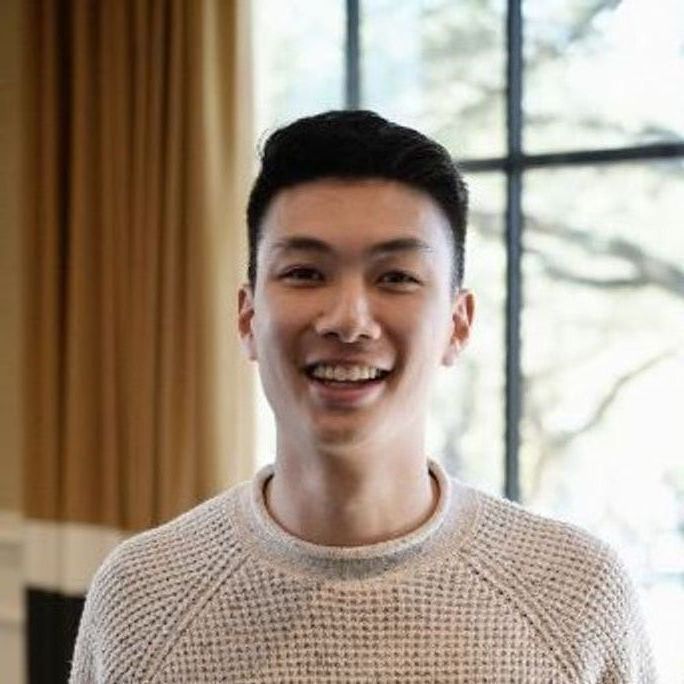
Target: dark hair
(357, 145)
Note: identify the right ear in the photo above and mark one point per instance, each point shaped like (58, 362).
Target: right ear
(245, 320)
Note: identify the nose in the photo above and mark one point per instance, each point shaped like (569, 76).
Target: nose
(348, 315)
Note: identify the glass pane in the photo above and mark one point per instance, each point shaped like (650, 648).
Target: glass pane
(600, 73)
(299, 59)
(466, 423)
(438, 65)
(603, 365)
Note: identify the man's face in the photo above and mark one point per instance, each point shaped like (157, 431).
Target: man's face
(353, 282)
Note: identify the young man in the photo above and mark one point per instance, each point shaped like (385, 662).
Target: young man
(354, 557)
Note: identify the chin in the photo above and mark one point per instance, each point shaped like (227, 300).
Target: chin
(336, 436)
(340, 435)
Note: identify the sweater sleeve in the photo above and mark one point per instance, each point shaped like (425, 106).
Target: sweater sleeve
(583, 599)
(144, 591)
(82, 662)
(111, 633)
(101, 602)
(628, 657)
(120, 618)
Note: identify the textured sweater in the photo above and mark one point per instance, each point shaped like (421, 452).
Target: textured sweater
(483, 591)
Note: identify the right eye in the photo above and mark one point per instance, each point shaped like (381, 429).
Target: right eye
(303, 274)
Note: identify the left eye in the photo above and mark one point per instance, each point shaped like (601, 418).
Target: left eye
(399, 277)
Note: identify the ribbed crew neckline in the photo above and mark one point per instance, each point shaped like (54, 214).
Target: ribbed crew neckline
(452, 520)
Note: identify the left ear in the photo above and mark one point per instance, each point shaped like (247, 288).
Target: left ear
(462, 312)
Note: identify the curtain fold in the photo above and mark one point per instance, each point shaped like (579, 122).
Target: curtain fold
(137, 160)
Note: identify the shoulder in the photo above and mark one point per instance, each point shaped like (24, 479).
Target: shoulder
(152, 582)
(574, 587)
(186, 546)
(555, 563)
(538, 551)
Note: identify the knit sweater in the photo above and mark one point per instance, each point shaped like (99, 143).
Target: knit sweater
(483, 591)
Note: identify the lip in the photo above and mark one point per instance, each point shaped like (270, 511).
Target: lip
(345, 394)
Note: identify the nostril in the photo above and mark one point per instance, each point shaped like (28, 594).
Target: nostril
(347, 324)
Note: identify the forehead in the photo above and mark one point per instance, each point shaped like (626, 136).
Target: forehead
(354, 214)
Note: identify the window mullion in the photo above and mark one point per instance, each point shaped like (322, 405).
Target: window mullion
(352, 96)
(514, 74)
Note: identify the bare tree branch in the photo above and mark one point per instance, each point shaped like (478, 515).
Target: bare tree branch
(562, 439)
(558, 273)
(551, 446)
(650, 269)
(570, 362)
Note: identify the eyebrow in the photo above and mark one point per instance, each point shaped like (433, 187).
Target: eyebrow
(311, 244)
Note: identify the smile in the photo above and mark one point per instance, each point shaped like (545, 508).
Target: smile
(346, 374)
(346, 387)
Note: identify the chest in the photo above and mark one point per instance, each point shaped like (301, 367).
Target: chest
(455, 630)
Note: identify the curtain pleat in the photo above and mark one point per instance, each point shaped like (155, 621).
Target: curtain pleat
(137, 159)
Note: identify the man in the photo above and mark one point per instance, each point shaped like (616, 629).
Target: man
(354, 557)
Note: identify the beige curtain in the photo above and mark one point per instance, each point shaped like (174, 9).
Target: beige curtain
(136, 164)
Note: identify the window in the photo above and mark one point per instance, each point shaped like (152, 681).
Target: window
(566, 116)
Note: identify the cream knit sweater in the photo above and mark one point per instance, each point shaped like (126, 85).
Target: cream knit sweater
(484, 591)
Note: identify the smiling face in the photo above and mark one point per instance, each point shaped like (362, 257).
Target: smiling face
(354, 280)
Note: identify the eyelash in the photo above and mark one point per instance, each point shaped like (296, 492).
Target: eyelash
(407, 278)
(291, 273)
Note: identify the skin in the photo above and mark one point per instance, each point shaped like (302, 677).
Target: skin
(350, 475)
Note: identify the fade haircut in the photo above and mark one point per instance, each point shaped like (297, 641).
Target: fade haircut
(357, 145)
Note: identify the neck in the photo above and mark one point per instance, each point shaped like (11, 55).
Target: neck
(338, 502)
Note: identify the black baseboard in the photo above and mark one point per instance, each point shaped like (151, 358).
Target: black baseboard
(51, 628)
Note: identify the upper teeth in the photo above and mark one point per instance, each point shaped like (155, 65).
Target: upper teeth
(346, 373)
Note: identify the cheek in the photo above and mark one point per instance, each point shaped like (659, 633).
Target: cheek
(427, 334)
(271, 337)
(276, 335)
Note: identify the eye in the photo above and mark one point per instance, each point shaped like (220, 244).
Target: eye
(399, 278)
(303, 274)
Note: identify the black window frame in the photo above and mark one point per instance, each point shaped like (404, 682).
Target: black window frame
(513, 164)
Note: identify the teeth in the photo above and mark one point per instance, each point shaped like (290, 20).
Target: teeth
(346, 374)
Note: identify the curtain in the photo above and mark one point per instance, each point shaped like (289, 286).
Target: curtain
(137, 157)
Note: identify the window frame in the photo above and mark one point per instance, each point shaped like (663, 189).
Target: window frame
(513, 164)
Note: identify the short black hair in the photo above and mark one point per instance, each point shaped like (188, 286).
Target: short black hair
(356, 145)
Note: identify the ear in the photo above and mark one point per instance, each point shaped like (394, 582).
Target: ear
(462, 312)
(245, 318)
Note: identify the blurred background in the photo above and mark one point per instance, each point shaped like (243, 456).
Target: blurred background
(128, 141)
